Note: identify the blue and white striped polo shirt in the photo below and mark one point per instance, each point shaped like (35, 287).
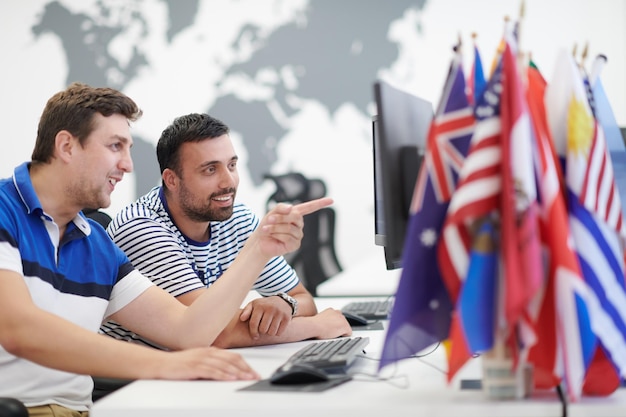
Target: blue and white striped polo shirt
(82, 277)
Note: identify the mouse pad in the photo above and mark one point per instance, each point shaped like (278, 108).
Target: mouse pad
(265, 385)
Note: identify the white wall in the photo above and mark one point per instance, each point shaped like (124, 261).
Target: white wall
(34, 69)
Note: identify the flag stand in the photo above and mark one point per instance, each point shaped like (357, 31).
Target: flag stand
(501, 379)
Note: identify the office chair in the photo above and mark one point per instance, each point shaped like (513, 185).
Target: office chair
(103, 386)
(99, 216)
(316, 260)
(12, 407)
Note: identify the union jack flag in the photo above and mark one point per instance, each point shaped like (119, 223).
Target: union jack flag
(422, 309)
(445, 157)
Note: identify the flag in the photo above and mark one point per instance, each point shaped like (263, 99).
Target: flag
(477, 305)
(422, 308)
(561, 328)
(476, 80)
(477, 196)
(612, 133)
(602, 113)
(521, 249)
(594, 209)
(598, 192)
(603, 109)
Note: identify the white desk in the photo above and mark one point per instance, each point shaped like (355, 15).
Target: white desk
(425, 392)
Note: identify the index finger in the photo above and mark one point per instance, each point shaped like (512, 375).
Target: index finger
(309, 207)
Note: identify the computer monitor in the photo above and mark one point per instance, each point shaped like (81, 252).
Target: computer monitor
(399, 132)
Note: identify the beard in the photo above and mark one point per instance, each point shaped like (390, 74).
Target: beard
(201, 210)
(88, 196)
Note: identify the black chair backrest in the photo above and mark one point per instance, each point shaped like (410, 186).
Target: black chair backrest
(316, 259)
(100, 216)
(12, 407)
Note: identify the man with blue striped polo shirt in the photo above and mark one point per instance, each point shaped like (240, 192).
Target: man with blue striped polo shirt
(61, 275)
(187, 232)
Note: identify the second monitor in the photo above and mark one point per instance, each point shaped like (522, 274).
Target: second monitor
(399, 134)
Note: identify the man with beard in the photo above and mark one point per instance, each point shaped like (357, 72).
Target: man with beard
(187, 232)
(61, 275)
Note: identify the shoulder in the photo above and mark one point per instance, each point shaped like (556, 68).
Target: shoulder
(147, 207)
(14, 213)
(8, 194)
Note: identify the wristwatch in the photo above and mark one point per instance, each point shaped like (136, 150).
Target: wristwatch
(292, 302)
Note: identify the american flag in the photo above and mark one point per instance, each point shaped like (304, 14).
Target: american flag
(603, 111)
(478, 189)
(476, 197)
(422, 309)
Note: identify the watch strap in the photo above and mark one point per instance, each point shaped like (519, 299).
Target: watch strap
(291, 301)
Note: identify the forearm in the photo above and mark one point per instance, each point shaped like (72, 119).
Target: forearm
(237, 333)
(214, 308)
(306, 305)
(53, 342)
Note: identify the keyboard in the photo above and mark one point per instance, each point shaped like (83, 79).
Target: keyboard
(371, 309)
(329, 355)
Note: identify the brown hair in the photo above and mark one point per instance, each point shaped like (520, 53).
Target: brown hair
(73, 110)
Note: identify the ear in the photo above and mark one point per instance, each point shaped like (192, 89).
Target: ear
(170, 179)
(64, 144)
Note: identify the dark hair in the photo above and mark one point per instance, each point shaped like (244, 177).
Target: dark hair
(194, 127)
(73, 110)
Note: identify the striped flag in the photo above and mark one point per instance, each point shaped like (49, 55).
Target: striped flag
(595, 214)
(603, 110)
(606, 118)
(498, 182)
(563, 332)
(422, 308)
(477, 197)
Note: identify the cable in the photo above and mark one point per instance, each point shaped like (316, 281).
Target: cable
(427, 353)
(393, 378)
(563, 398)
(369, 377)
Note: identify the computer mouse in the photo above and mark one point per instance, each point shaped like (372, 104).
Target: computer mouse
(290, 374)
(355, 320)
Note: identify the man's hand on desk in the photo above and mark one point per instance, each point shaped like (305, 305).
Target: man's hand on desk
(205, 363)
(268, 315)
(327, 324)
(266, 318)
(271, 315)
(332, 324)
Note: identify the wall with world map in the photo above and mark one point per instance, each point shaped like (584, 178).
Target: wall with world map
(292, 78)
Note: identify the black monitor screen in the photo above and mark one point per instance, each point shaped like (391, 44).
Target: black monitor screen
(399, 132)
